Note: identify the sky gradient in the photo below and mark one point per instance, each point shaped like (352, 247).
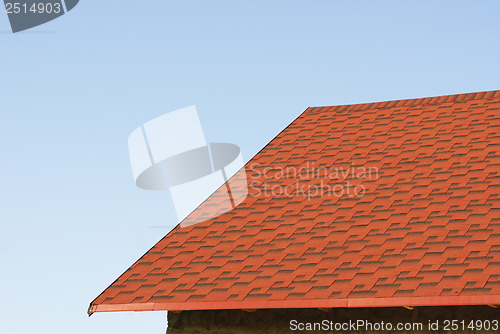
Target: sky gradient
(72, 90)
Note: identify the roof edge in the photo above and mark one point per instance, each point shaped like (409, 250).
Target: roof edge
(416, 101)
(307, 303)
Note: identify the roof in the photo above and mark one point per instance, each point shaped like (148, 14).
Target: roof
(422, 229)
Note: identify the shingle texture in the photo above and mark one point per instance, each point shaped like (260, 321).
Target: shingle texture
(383, 204)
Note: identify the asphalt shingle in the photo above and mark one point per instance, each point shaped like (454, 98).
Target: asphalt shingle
(382, 204)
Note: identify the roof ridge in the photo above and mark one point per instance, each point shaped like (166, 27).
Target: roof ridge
(415, 101)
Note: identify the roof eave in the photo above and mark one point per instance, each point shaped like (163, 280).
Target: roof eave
(310, 303)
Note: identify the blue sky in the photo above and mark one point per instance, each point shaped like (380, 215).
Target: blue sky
(72, 90)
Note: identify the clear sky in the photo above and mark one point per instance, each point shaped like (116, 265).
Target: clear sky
(72, 90)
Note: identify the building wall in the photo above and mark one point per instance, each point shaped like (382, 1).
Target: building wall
(275, 321)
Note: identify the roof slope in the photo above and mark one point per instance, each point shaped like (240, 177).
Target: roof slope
(422, 229)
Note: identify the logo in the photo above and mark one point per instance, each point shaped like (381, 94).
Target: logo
(171, 152)
(26, 14)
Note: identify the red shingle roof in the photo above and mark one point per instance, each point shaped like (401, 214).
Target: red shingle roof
(424, 228)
